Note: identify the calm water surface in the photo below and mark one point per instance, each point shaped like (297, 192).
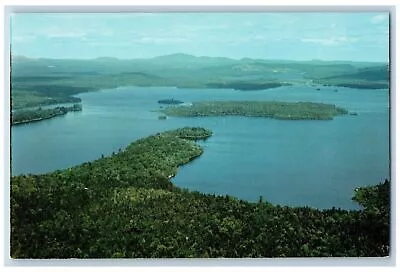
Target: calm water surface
(306, 163)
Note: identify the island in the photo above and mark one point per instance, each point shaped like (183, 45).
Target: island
(33, 86)
(125, 205)
(170, 101)
(39, 114)
(356, 84)
(247, 85)
(268, 109)
(190, 133)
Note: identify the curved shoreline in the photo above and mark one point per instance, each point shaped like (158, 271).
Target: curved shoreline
(268, 109)
(51, 113)
(152, 86)
(37, 119)
(113, 207)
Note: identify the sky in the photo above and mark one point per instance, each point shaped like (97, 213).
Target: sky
(362, 36)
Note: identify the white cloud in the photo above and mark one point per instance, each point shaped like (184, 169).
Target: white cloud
(82, 33)
(23, 38)
(109, 44)
(162, 36)
(333, 41)
(106, 32)
(161, 40)
(66, 34)
(59, 32)
(259, 38)
(379, 18)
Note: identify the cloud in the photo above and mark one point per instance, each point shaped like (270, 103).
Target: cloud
(377, 19)
(106, 32)
(333, 41)
(161, 40)
(59, 32)
(163, 36)
(23, 38)
(109, 44)
(73, 32)
(259, 38)
(66, 34)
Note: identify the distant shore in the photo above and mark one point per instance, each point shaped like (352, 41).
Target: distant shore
(36, 115)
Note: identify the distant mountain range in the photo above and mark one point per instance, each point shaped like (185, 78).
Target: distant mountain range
(182, 57)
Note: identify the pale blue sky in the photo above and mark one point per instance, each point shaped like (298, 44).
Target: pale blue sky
(295, 36)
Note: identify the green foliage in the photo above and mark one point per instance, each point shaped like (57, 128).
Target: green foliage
(190, 133)
(270, 109)
(37, 82)
(364, 78)
(373, 197)
(50, 209)
(170, 101)
(125, 206)
(246, 85)
(376, 216)
(351, 83)
(26, 116)
(21, 99)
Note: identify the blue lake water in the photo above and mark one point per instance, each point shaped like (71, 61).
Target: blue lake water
(296, 163)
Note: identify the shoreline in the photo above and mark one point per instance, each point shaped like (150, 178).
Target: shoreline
(196, 87)
(57, 111)
(36, 120)
(110, 197)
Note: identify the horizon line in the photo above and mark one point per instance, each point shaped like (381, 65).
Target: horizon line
(196, 56)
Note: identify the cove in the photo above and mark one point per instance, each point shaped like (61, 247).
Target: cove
(296, 163)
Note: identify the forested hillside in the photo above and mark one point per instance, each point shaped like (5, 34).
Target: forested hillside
(125, 206)
(363, 78)
(36, 82)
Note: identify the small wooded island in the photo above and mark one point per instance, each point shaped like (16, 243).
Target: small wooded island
(126, 206)
(170, 101)
(27, 116)
(269, 109)
(247, 85)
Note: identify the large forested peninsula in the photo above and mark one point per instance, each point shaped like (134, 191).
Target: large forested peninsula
(269, 109)
(125, 206)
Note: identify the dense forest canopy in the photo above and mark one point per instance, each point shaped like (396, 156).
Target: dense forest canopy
(125, 206)
(270, 109)
(33, 115)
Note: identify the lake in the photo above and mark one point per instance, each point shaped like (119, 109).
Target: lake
(296, 163)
